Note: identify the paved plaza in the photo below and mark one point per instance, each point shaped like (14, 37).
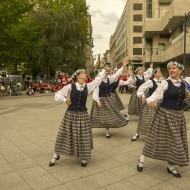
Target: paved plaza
(28, 128)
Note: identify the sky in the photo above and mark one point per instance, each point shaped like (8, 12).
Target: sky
(105, 16)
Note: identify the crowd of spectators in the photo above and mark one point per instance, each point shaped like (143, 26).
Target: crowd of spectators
(124, 88)
(30, 86)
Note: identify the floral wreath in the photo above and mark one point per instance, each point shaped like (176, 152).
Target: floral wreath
(176, 64)
(77, 73)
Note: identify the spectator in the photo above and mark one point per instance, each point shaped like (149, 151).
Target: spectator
(2, 86)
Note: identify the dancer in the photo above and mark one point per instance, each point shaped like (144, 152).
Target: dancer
(74, 137)
(167, 135)
(135, 103)
(144, 91)
(114, 94)
(104, 112)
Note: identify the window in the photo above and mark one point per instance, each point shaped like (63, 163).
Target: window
(137, 29)
(165, 1)
(137, 6)
(149, 8)
(137, 17)
(137, 40)
(165, 35)
(137, 51)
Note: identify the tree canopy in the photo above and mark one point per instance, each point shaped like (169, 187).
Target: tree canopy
(43, 35)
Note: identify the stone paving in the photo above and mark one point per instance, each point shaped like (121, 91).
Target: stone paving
(28, 128)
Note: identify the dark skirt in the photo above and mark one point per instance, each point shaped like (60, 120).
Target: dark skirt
(167, 137)
(135, 104)
(118, 101)
(146, 117)
(107, 116)
(74, 137)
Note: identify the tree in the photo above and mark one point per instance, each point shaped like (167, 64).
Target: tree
(64, 25)
(43, 35)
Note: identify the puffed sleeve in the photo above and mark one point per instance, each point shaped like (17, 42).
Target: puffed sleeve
(128, 82)
(158, 94)
(143, 88)
(113, 78)
(147, 74)
(96, 82)
(61, 95)
(96, 94)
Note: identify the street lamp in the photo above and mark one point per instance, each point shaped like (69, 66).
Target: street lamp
(187, 16)
(186, 19)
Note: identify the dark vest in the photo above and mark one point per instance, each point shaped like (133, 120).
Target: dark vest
(173, 97)
(139, 82)
(114, 85)
(78, 99)
(151, 90)
(105, 89)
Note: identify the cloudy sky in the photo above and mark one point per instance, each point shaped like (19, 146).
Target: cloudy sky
(105, 15)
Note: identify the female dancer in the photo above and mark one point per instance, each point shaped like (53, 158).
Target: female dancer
(135, 103)
(104, 112)
(74, 137)
(114, 94)
(144, 91)
(167, 136)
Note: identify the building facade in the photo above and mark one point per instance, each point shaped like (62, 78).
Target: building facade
(156, 31)
(166, 33)
(89, 60)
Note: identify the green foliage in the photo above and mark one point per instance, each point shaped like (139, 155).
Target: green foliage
(43, 35)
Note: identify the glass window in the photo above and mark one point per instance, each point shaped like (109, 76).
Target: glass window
(137, 6)
(149, 8)
(137, 17)
(137, 51)
(137, 29)
(137, 40)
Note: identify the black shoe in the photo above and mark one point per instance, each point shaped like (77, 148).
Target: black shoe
(135, 138)
(53, 163)
(174, 174)
(108, 135)
(139, 168)
(83, 164)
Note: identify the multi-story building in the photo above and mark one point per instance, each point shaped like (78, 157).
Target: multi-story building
(164, 29)
(89, 60)
(127, 42)
(152, 31)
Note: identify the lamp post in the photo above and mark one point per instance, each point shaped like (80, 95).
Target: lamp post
(186, 18)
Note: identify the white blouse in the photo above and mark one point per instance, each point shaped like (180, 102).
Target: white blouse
(159, 92)
(112, 78)
(141, 92)
(61, 95)
(148, 73)
(128, 82)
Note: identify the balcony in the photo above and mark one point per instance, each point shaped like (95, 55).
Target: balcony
(152, 55)
(174, 51)
(177, 9)
(151, 27)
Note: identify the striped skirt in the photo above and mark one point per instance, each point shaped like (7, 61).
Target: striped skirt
(167, 137)
(135, 104)
(107, 116)
(117, 101)
(145, 120)
(74, 137)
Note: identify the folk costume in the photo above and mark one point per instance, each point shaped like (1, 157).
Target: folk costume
(74, 137)
(108, 115)
(135, 103)
(167, 135)
(147, 114)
